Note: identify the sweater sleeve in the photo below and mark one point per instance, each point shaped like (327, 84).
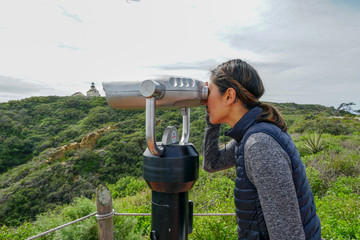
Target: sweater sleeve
(269, 168)
(214, 158)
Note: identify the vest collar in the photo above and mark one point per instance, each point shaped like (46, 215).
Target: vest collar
(238, 131)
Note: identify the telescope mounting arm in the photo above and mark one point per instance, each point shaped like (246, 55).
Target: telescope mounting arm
(150, 127)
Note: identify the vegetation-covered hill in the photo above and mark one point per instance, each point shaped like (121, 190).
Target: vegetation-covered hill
(54, 149)
(57, 150)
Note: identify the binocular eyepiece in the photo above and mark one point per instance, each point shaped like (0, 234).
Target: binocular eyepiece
(169, 92)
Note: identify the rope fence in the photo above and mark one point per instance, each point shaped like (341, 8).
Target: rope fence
(105, 213)
(108, 215)
(195, 214)
(62, 226)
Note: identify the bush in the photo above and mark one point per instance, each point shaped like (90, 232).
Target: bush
(318, 187)
(24, 231)
(127, 186)
(339, 210)
(330, 164)
(323, 125)
(140, 203)
(214, 228)
(31, 128)
(213, 193)
(87, 162)
(124, 228)
(314, 142)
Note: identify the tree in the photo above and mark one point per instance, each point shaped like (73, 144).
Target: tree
(346, 107)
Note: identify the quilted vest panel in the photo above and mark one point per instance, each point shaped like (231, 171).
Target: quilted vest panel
(251, 223)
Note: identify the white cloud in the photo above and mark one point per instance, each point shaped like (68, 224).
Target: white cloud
(18, 86)
(305, 51)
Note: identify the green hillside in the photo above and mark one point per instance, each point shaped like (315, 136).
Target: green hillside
(55, 151)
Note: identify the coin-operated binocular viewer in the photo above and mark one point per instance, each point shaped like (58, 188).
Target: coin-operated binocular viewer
(170, 167)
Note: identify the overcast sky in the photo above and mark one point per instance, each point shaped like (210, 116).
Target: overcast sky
(305, 51)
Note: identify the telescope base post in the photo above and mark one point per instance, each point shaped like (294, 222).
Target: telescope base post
(169, 216)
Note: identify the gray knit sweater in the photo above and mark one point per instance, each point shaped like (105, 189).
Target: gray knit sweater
(268, 167)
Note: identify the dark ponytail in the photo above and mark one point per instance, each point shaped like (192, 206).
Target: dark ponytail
(272, 115)
(242, 77)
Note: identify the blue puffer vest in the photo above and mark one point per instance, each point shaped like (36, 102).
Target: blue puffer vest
(251, 223)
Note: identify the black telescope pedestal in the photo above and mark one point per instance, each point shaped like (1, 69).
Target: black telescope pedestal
(170, 177)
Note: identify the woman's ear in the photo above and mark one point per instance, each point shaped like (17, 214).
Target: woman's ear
(230, 96)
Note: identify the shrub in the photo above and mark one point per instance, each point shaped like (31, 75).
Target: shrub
(124, 228)
(331, 164)
(339, 210)
(214, 228)
(140, 203)
(30, 126)
(213, 193)
(318, 187)
(314, 142)
(87, 162)
(127, 186)
(24, 231)
(332, 126)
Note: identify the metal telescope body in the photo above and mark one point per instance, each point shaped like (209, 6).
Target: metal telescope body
(162, 93)
(171, 167)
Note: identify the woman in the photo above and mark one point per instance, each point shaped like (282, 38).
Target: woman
(273, 198)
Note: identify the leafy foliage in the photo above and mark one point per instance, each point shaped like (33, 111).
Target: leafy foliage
(339, 209)
(36, 128)
(39, 191)
(127, 186)
(86, 229)
(213, 193)
(314, 142)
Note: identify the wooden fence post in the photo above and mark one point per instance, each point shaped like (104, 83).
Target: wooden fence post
(105, 213)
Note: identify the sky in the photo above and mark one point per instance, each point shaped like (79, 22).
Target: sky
(305, 51)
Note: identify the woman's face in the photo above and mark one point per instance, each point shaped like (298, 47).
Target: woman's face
(216, 105)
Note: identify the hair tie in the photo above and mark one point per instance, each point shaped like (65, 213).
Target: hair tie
(258, 104)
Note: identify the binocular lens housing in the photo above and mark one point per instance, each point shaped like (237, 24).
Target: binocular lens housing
(170, 93)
